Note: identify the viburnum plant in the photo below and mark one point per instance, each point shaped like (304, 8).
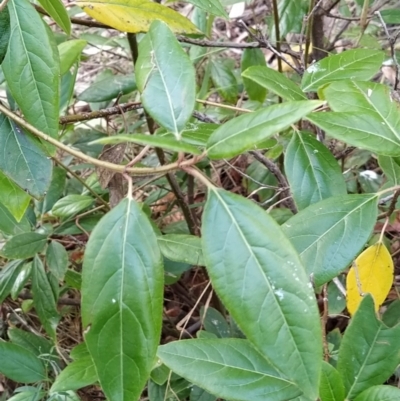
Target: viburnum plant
(220, 207)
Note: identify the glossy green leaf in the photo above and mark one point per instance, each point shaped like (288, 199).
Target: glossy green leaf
(8, 275)
(122, 298)
(331, 386)
(55, 190)
(228, 368)
(69, 52)
(31, 68)
(211, 6)
(195, 133)
(369, 352)
(24, 245)
(4, 32)
(312, 171)
(57, 11)
(391, 168)
(166, 78)
(253, 58)
(13, 198)
(364, 130)
(109, 88)
(19, 364)
(33, 394)
(275, 81)
(71, 205)
(21, 280)
(361, 64)
(224, 80)
(244, 132)
(77, 374)
(263, 284)
(28, 167)
(329, 234)
(182, 248)
(164, 142)
(10, 226)
(57, 259)
(44, 299)
(39, 346)
(136, 15)
(379, 393)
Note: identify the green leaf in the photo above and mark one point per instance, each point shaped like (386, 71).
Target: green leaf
(43, 298)
(57, 11)
(39, 346)
(369, 352)
(361, 64)
(54, 192)
(228, 368)
(166, 78)
(329, 234)
(253, 58)
(391, 168)
(224, 80)
(195, 133)
(363, 130)
(10, 226)
(243, 132)
(77, 374)
(136, 15)
(122, 298)
(312, 171)
(13, 198)
(33, 394)
(57, 259)
(5, 31)
(182, 248)
(261, 281)
(28, 167)
(275, 81)
(391, 316)
(20, 281)
(71, 205)
(215, 323)
(8, 275)
(379, 393)
(19, 364)
(109, 88)
(69, 52)
(331, 387)
(290, 17)
(211, 6)
(391, 16)
(32, 68)
(24, 245)
(165, 142)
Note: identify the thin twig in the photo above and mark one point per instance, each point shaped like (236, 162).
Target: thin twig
(273, 168)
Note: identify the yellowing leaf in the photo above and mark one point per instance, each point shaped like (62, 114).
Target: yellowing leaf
(372, 272)
(135, 15)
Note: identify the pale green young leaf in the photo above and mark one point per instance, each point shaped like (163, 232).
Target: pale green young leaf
(57, 259)
(244, 132)
(228, 368)
(360, 64)
(331, 386)
(70, 205)
(9, 225)
(379, 393)
(122, 298)
(181, 248)
(31, 67)
(275, 81)
(57, 11)
(69, 52)
(312, 171)
(253, 58)
(369, 351)
(224, 80)
(8, 275)
(329, 234)
(263, 284)
(166, 78)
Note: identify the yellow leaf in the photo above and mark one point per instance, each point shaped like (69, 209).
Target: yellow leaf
(372, 272)
(136, 15)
